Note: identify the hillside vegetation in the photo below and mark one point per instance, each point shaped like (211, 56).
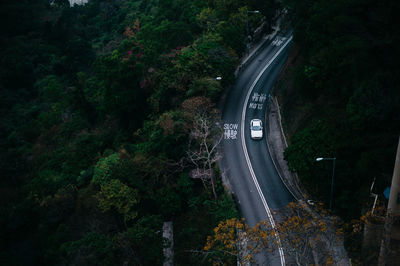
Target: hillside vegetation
(98, 103)
(99, 107)
(341, 98)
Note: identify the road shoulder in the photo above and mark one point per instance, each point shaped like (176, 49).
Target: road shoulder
(277, 144)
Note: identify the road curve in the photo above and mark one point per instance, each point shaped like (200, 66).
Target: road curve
(247, 163)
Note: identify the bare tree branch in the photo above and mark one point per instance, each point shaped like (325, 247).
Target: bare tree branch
(205, 136)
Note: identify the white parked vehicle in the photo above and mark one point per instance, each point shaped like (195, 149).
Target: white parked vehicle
(256, 129)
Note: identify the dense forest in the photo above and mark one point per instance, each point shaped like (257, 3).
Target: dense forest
(341, 99)
(97, 106)
(344, 97)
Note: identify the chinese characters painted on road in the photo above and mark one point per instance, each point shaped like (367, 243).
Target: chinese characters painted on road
(257, 100)
(230, 131)
(278, 41)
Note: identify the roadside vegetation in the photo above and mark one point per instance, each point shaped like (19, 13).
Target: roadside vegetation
(307, 238)
(340, 98)
(101, 126)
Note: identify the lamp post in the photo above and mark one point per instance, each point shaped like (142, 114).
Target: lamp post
(218, 78)
(333, 176)
(247, 24)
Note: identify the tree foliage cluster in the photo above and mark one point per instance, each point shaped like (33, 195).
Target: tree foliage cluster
(342, 99)
(346, 95)
(96, 117)
(305, 236)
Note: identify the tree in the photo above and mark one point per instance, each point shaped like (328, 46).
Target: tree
(306, 145)
(208, 87)
(307, 237)
(103, 171)
(208, 19)
(91, 248)
(116, 194)
(229, 239)
(348, 79)
(142, 243)
(205, 136)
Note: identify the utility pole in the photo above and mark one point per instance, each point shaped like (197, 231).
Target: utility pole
(390, 247)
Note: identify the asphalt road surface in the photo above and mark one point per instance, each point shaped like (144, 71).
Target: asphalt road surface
(256, 184)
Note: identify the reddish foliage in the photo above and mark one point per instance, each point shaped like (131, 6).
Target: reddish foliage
(128, 32)
(143, 84)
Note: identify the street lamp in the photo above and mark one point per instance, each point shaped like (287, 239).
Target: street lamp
(333, 176)
(218, 78)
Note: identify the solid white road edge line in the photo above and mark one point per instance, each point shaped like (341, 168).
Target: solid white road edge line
(267, 209)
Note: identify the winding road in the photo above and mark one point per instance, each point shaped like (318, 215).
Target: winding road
(247, 163)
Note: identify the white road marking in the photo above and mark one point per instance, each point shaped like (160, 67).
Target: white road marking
(257, 100)
(267, 209)
(230, 131)
(278, 41)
